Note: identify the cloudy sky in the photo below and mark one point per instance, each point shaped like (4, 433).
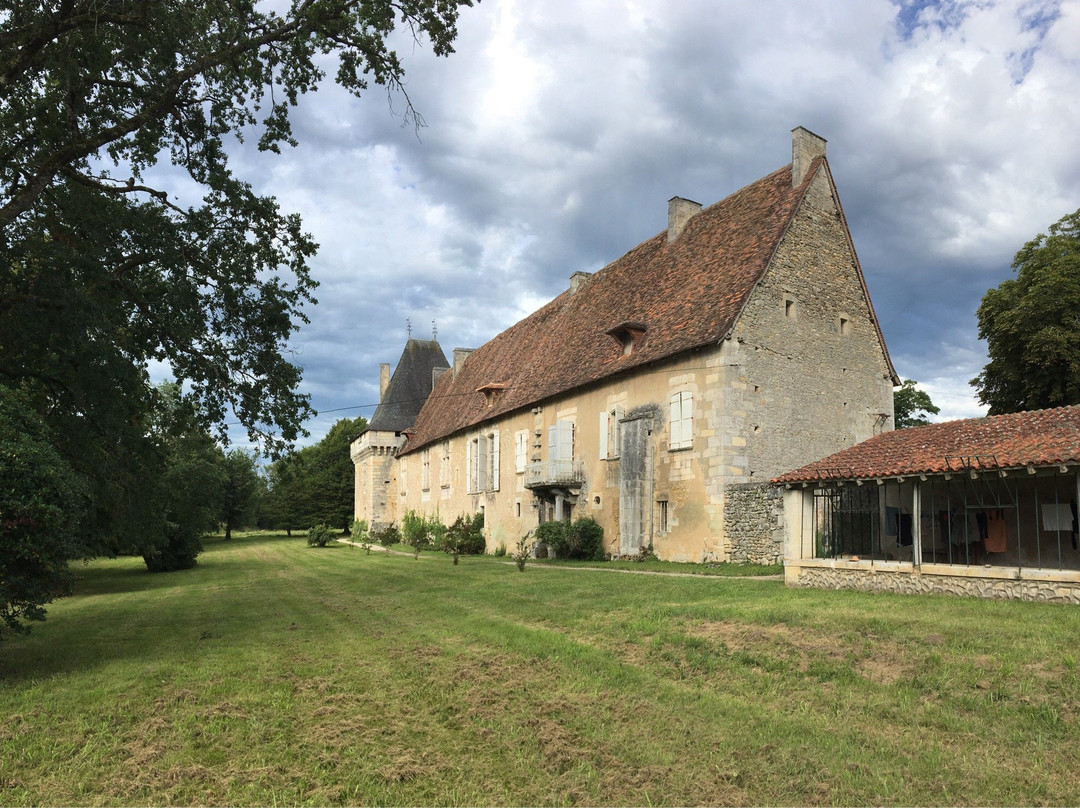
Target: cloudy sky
(559, 129)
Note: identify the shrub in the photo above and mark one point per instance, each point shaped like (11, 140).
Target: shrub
(582, 540)
(586, 540)
(387, 536)
(500, 551)
(319, 536)
(553, 536)
(466, 536)
(422, 532)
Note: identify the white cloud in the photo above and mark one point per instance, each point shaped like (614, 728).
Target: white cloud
(559, 129)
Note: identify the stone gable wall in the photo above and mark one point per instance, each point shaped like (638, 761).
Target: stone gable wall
(809, 376)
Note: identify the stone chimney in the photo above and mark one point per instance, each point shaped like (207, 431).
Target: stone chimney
(384, 378)
(460, 355)
(578, 281)
(679, 212)
(805, 148)
(436, 374)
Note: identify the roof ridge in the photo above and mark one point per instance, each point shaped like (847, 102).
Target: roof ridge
(688, 292)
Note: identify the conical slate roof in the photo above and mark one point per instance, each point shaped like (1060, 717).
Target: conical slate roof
(409, 386)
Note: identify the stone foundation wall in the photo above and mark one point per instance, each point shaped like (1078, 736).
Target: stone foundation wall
(754, 523)
(915, 583)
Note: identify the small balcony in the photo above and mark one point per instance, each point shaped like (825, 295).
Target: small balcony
(555, 474)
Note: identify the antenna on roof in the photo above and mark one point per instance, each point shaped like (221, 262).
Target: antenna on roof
(434, 332)
(408, 327)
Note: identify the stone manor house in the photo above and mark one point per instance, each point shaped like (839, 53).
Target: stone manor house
(658, 395)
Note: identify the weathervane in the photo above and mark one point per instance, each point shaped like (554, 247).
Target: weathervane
(408, 327)
(434, 332)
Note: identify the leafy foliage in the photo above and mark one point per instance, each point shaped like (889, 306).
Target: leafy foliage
(185, 493)
(319, 536)
(1031, 326)
(359, 533)
(911, 405)
(521, 551)
(315, 484)
(40, 499)
(422, 532)
(241, 490)
(582, 539)
(466, 536)
(388, 536)
(103, 273)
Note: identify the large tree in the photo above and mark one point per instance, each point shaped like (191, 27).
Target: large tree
(1031, 324)
(102, 272)
(314, 485)
(241, 489)
(912, 406)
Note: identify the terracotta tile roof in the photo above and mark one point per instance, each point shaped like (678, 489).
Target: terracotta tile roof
(1016, 440)
(685, 294)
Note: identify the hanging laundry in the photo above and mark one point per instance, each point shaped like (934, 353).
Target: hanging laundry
(1056, 517)
(995, 532)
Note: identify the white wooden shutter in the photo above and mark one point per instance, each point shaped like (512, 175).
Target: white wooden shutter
(603, 434)
(521, 450)
(682, 419)
(495, 460)
(616, 450)
(481, 464)
(470, 467)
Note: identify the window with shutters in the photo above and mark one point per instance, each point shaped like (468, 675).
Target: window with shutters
(444, 466)
(561, 444)
(521, 450)
(425, 470)
(611, 433)
(492, 461)
(470, 465)
(682, 420)
(482, 459)
(403, 473)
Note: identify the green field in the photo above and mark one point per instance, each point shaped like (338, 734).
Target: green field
(274, 673)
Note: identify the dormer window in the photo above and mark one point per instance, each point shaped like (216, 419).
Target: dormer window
(492, 391)
(628, 335)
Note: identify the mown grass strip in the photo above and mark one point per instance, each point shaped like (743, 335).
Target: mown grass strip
(277, 673)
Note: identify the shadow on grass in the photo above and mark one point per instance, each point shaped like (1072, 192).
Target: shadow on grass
(120, 611)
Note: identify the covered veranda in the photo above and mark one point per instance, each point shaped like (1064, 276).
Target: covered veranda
(984, 506)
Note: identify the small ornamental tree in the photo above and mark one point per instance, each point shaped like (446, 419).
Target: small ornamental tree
(358, 532)
(388, 536)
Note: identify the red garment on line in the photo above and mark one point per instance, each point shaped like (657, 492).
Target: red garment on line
(995, 532)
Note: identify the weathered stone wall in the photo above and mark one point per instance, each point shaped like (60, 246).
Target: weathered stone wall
(754, 523)
(807, 368)
(374, 461)
(916, 583)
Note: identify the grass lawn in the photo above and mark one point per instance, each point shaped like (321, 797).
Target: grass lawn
(274, 673)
